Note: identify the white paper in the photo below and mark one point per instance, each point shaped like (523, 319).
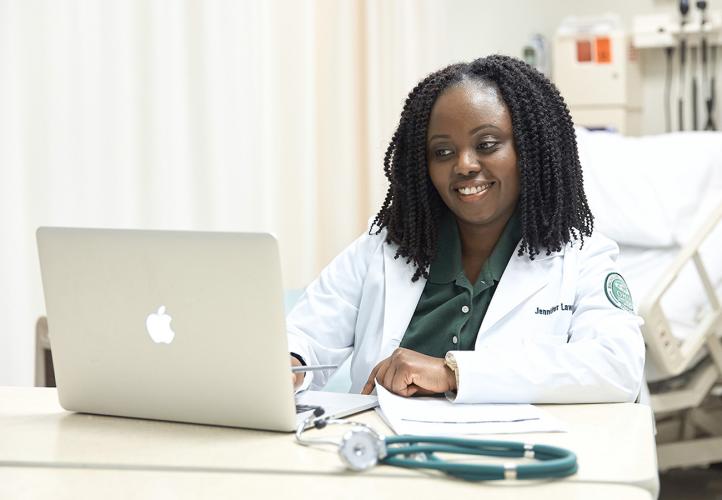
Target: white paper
(438, 416)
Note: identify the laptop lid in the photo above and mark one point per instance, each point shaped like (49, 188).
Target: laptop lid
(168, 325)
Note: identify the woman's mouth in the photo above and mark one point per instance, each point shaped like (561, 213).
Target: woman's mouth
(471, 193)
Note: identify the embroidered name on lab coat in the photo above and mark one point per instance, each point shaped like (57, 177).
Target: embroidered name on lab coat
(552, 310)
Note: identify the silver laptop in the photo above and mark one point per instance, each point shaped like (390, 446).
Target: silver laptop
(172, 325)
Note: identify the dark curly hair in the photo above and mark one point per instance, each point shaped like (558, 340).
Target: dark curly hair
(552, 205)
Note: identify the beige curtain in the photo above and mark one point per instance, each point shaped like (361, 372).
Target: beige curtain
(257, 115)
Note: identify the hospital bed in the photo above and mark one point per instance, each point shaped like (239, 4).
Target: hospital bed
(660, 198)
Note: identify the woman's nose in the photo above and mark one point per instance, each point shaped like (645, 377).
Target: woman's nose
(468, 163)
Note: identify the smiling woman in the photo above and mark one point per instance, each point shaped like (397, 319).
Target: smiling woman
(485, 223)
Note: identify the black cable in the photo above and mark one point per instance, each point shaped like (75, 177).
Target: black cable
(693, 66)
(707, 83)
(710, 125)
(682, 82)
(684, 10)
(668, 89)
(705, 78)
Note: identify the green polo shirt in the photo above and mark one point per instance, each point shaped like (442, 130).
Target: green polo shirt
(451, 309)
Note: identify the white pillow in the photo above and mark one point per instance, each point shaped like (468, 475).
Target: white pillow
(646, 191)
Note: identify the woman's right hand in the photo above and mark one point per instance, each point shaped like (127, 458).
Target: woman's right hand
(297, 378)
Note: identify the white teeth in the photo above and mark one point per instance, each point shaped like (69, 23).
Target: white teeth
(474, 189)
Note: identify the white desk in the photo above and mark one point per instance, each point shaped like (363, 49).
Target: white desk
(74, 484)
(46, 451)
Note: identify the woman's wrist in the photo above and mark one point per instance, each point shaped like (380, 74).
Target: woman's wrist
(297, 377)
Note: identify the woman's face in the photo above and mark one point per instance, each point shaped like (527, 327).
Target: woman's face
(471, 155)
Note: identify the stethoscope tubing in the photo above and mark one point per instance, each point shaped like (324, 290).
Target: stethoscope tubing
(555, 462)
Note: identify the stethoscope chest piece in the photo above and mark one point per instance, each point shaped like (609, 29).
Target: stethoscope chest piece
(361, 448)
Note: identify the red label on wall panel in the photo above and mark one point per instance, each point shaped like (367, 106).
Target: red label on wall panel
(604, 50)
(584, 51)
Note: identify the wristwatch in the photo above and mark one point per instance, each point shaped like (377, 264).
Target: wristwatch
(450, 361)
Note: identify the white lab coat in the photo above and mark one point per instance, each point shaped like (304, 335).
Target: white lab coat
(363, 301)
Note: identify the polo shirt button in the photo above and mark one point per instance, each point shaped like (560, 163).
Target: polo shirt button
(465, 309)
(482, 283)
(455, 339)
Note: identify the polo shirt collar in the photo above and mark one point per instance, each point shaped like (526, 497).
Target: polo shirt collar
(447, 266)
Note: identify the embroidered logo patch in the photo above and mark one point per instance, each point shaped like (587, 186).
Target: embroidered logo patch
(617, 292)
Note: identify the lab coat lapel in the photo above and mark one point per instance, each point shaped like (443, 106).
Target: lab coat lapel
(402, 296)
(521, 279)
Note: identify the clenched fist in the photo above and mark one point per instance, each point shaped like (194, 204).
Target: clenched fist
(408, 372)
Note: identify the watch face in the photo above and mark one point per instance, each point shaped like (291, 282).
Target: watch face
(361, 449)
(450, 360)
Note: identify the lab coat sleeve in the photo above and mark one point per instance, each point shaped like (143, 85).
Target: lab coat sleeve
(321, 325)
(602, 362)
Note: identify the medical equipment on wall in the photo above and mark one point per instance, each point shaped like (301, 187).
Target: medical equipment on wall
(362, 448)
(597, 71)
(536, 54)
(694, 32)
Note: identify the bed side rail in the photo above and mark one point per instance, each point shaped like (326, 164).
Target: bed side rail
(672, 357)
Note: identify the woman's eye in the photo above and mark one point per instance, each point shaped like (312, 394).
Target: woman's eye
(442, 152)
(487, 145)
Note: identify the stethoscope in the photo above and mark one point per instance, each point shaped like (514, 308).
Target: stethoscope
(362, 448)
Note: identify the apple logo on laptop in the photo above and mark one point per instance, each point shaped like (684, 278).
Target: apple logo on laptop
(158, 327)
